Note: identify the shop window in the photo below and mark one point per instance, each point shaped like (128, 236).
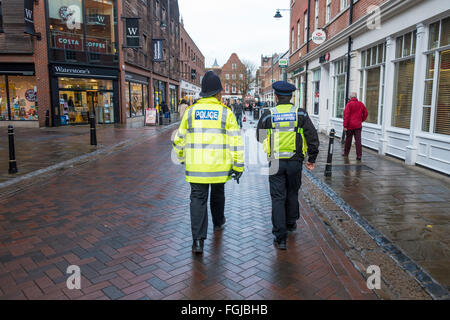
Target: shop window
(436, 102)
(316, 91)
(22, 97)
(403, 80)
(372, 81)
(3, 99)
(138, 100)
(339, 79)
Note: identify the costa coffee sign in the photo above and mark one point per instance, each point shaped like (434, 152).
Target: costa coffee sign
(319, 36)
(69, 42)
(96, 45)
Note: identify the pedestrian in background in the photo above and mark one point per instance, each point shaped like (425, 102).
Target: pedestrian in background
(182, 108)
(355, 113)
(209, 143)
(288, 137)
(238, 110)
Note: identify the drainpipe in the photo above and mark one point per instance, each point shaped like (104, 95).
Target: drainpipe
(307, 50)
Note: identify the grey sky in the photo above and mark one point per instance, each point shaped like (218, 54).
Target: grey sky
(247, 27)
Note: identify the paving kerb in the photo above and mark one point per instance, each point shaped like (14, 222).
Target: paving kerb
(431, 286)
(79, 160)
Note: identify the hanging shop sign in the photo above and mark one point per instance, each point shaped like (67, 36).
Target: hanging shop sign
(132, 32)
(29, 16)
(319, 36)
(283, 63)
(324, 58)
(157, 50)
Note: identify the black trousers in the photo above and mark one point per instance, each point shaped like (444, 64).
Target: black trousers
(284, 187)
(199, 209)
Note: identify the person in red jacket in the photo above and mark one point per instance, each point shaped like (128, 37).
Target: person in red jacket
(355, 113)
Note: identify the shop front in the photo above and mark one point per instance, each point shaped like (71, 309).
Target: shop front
(173, 98)
(136, 95)
(159, 93)
(18, 92)
(77, 92)
(189, 92)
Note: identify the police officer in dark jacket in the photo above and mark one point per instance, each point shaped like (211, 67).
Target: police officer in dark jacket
(288, 136)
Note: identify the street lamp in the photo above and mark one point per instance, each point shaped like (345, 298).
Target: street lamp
(278, 13)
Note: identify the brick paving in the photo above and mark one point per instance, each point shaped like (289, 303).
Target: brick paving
(124, 219)
(38, 148)
(409, 205)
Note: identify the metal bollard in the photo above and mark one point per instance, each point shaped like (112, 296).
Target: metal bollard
(330, 154)
(344, 133)
(12, 152)
(47, 118)
(93, 130)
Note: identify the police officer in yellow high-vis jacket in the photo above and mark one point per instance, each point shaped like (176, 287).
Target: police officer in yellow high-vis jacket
(209, 143)
(288, 135)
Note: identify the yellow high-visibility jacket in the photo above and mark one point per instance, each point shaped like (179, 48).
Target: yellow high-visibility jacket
(209, 142)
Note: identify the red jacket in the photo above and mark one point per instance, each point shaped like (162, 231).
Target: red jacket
(355, 114)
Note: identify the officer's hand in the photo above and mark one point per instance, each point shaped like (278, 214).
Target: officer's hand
(236, 175)
(310, 166)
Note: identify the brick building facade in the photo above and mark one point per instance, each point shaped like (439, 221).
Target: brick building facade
(394, 54)
(233, 76)
(79, 65)
(192, 66)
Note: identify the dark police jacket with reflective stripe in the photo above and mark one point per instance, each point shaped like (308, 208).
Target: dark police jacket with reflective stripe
(309, 131)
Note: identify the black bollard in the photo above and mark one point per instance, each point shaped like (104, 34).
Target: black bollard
(47, 118)
(330, 154)
(93, 130)
(12, 152)
(344, 133)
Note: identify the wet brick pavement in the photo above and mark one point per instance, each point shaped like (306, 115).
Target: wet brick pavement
(409, 205)
(38, 148)
(124, 219)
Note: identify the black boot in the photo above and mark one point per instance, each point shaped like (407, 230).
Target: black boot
(280, 244)
(220, 227)
(197, 246)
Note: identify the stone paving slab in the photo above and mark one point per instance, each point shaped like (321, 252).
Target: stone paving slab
(409, 205)
(124, 219)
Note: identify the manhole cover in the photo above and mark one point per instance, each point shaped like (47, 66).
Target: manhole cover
(351, 167)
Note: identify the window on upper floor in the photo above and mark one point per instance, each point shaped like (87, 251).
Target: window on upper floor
(157, 9)
(328, 12)
(344, 4)
(227, 76)
(241, 76)
(299, 28)
(233, 66)
(316, 15)
(233, 76)
(305, 35)
(1, 18)
(292, 40)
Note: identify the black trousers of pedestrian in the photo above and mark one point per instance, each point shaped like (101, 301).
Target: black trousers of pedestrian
(199, 208)
(284, 187)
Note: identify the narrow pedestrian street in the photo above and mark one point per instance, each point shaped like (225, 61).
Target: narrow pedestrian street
(124, 219)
